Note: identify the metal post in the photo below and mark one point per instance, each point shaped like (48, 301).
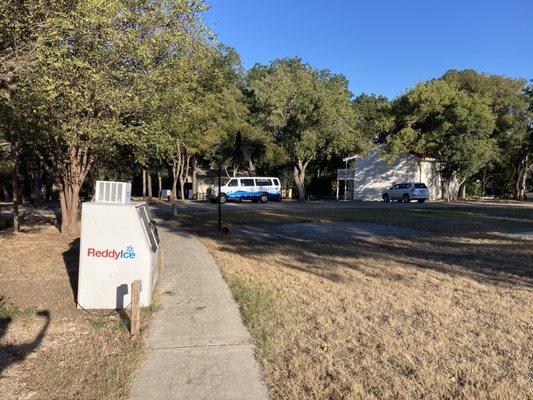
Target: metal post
(219, 203)
(135, 307)
(345, 178)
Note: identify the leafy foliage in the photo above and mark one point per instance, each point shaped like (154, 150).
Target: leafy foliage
(307, 112)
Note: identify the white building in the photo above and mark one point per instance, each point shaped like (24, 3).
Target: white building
(371, 175)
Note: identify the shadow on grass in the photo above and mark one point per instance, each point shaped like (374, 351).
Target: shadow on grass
(450, 220)
(71, 259)
(459, 241)
(492, 262)
(11, 354)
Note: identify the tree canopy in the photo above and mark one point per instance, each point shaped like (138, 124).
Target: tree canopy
(307, 112)
(450, 124)
(102, 88)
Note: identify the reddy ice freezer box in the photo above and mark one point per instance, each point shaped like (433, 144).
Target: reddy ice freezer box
(119, 244)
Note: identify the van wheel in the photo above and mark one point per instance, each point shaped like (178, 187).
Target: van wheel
(223, 198)
(421, 200)
(386, 198)
(406, 198)
(263, 198)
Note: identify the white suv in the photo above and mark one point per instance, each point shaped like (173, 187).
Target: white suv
(406, 192)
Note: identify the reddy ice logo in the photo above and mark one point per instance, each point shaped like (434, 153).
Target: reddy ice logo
(127, 253)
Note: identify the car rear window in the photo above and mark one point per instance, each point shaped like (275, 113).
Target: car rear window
(263, 182)
(247, 182)
(420, 186)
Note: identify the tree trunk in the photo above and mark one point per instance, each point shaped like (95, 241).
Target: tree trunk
(149, 184)
(251, 167)
(462, 191)
(160, 185)
(484, 183)
(182, 186)
(174, 179)
(144, 184)
(184, 172)
(521, 178)
(70, 180)
(15, 182)
(194, 178)
(451, 188)
(69, 199)
(299, 177)
(522, 190)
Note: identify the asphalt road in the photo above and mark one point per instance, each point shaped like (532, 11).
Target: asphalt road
(201, 206)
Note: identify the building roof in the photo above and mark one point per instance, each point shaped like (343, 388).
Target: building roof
(413, 153)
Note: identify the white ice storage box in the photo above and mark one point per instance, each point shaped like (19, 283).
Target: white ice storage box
(119, 244)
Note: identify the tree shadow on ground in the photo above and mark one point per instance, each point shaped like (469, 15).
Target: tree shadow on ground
(501, 261)
(459, 241)
(71, 259)
(10, 353)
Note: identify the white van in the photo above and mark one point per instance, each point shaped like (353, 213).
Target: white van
(257, 189)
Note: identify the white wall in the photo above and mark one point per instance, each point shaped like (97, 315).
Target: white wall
(373, 175)
(432, 178)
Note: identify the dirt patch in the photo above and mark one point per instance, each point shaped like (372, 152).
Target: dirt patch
(48, 348)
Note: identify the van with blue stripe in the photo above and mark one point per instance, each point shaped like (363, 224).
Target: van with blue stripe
(256, 189)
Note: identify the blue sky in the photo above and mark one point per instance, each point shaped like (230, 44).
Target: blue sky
(385, 46)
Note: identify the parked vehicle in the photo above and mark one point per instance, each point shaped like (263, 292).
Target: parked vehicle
(257, 189)
(405, 192)
(528, 195)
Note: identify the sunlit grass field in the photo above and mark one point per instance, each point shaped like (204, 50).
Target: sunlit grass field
(445, 315)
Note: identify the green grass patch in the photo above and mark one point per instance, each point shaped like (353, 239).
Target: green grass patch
(260, 312)
(10, 311)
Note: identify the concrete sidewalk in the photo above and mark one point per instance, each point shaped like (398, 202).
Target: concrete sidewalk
(199, 347)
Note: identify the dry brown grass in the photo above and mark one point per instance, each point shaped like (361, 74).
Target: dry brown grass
(48, 348)
(445, 316)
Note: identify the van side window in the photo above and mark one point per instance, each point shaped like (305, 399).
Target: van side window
(247, 182)
(233, 183)
(263, 182)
